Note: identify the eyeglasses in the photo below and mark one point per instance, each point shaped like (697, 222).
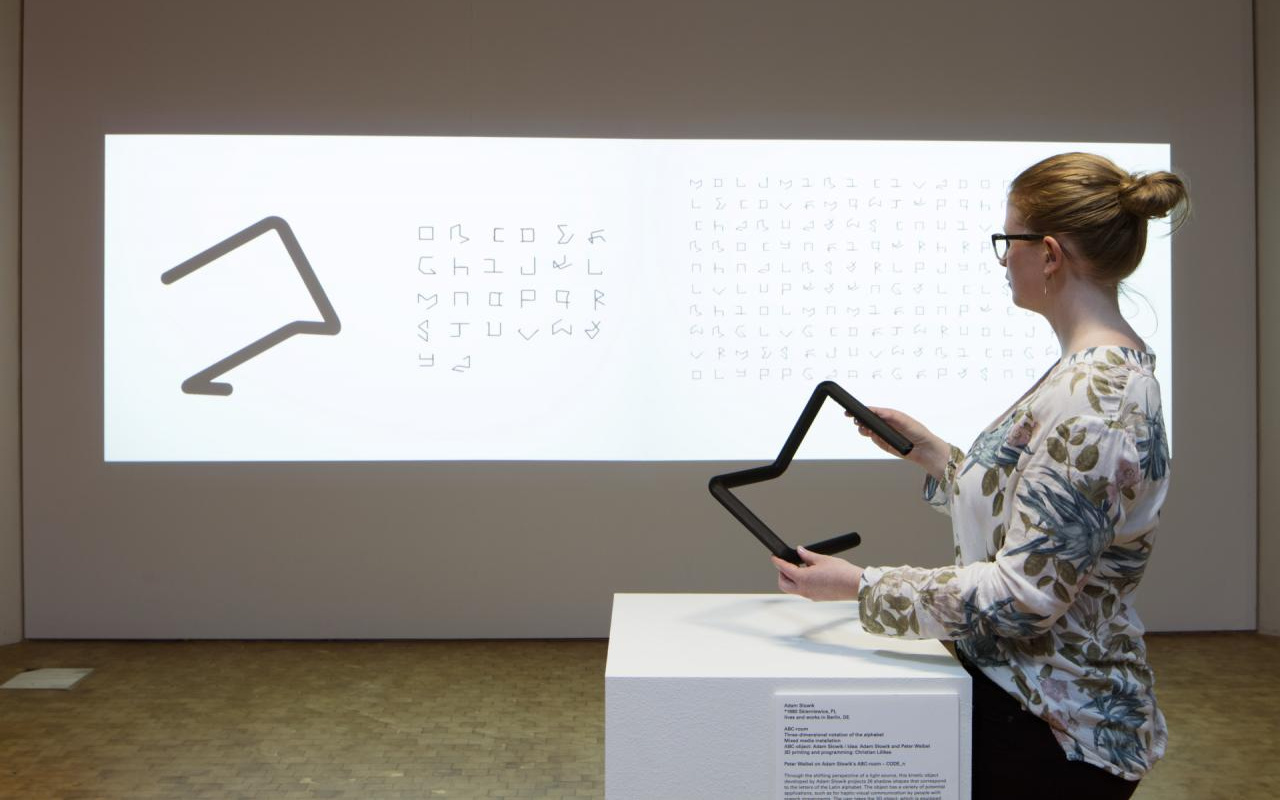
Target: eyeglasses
(1000, 242)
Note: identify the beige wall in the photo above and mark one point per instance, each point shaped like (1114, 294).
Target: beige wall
(1267, 38)
(10, 480)
(395, 549)
(1267, 66)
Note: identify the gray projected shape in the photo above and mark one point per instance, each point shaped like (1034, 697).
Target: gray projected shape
(329, 325)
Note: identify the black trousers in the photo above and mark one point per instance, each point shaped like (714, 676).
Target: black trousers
(1015, 755)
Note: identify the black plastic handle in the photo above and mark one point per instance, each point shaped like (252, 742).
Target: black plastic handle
(721, 485)
(862, 414)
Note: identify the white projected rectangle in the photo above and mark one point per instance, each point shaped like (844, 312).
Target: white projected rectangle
(429, 298)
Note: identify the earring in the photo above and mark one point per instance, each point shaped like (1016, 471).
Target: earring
(1047, 278)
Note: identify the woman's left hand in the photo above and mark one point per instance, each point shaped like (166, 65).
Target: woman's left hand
(821, 577)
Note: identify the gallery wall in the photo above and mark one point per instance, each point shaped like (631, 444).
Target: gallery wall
(10, 420)
(537, 549)
(1266, 38)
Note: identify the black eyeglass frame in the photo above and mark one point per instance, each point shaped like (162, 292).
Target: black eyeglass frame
(1012, 237)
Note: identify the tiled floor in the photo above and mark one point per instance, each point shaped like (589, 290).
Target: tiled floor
(369, 720)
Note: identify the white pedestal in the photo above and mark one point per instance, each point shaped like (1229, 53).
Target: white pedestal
(700, 687)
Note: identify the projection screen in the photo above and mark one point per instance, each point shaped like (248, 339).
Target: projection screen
(691, 285)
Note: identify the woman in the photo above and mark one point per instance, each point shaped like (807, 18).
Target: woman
(1053, 508)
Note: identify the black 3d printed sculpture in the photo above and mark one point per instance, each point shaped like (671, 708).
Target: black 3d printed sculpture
(721, 484)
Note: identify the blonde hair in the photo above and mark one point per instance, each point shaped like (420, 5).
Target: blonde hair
(1100, 207)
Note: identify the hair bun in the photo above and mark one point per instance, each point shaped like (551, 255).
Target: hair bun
(1153, 195)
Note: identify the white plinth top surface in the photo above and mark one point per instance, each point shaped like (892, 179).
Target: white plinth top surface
(759, 636)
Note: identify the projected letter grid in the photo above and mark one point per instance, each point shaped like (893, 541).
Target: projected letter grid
(506, 286)
(853, 276)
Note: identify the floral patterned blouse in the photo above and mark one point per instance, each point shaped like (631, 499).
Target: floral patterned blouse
(1053, 512)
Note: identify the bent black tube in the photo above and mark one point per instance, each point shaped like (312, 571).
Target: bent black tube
(721, 485)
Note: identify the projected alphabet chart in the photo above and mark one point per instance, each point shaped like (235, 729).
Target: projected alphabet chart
(882, 276)
(481, 291)
(299, 298)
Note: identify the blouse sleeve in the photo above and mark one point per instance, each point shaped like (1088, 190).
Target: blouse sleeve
(938, 492)
(1068, 499)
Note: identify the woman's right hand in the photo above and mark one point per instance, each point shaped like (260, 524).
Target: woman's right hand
(928, 451)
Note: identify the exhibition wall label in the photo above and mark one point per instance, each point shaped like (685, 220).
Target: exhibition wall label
(348, 298)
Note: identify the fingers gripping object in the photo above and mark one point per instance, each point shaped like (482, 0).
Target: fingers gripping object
(722, 484)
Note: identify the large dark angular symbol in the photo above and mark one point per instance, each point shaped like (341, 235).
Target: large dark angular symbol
(202, 382)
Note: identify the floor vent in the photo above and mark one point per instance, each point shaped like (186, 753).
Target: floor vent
(46, 679)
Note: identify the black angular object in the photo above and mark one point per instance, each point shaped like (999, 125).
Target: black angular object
(722, 484)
